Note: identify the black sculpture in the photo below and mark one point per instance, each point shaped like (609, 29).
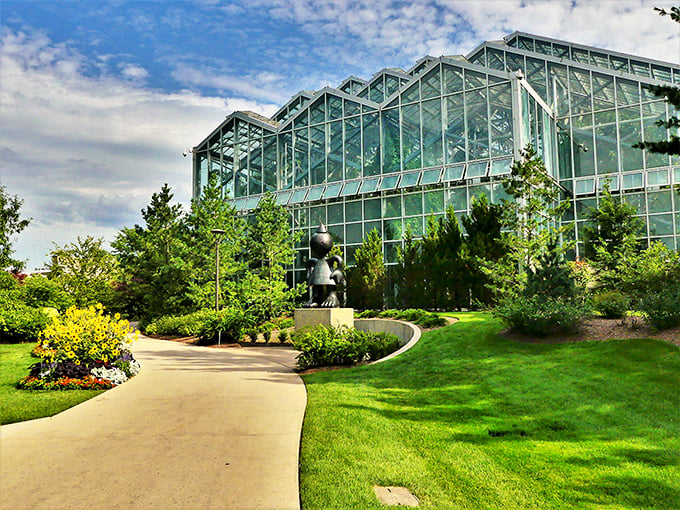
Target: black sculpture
(323, 274)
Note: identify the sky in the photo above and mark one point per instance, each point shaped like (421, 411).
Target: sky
(99, 99)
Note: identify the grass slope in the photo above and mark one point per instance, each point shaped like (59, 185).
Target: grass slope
(467, 419)
(20, 405)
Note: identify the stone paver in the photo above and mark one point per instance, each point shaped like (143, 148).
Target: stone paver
(198, 428)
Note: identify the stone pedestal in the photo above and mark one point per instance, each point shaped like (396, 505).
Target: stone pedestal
(310, 317)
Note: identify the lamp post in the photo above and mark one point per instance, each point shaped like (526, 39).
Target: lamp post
(218, 232)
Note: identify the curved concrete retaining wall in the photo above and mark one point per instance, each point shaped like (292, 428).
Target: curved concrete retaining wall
(408, 333)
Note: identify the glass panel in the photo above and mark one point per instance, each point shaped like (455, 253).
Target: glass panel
(351, 188)
(603, 91)
(352, 148)
(583, 147)
(335, 214)
(457, 198)
(434, 201)
(352, 108)
(431, 84)
(432, 133)
(613, 182)
(389, 182)
(477, 124)
(660, 201)
(454, 137)
(639, 68)
(453, 79)
(353, 211)
(630, 132)
(579, 83)
(411, 94)
(474, 79)
(410, 133)
(372, 209)
(661, 225)
(333, 190)
(334, 156)
(317, 112)
(631, 181)
(482, 189)
(500, 109)
(584, 186)
(301, 156)
(391, 153)
(392, 229)
(495, 59)
(317, 214)
(391, 85)
(454, 173)
(619, 63)
(270, 159)
(580, 55)
(282, 198)
(605, 142)
(627, 92)
(652, 113)
(392, 207)
(637, 200)
(371, 151)
(413, 204)
(431, 176)
(501, 166)
(514, 62)
(369, 185)
(298, 196)
(252, 202)
(354, 233)
(315, 193)
(477, 169)
(415, 225)
(498, 193)
(318, 154)
(377, 91)
(657, 178)
(334, 108)
(662, 73)
(408, 180)
(536, 75)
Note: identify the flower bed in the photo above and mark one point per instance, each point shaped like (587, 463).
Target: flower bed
(83, 349)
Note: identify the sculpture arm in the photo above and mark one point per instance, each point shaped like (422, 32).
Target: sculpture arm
(337, 259)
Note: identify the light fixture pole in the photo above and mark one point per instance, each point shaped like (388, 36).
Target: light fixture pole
(218, 233)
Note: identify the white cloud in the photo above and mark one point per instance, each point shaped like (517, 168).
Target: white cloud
(86, 153)
(134, 72)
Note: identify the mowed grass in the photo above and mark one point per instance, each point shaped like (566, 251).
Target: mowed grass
(467, 419)
(20, 405)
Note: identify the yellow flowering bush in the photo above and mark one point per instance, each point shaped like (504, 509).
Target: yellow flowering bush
(83, 336)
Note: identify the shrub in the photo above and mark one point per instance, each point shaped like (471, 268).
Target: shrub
(37, 291)
(181, 325)
(662, 309)
(417, 316)
(283, 336)
(230, 322)
(322, 346)
(611, 304)
(541, 315)
(20, 322)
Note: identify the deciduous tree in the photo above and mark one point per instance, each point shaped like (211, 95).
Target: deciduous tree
(11, 224)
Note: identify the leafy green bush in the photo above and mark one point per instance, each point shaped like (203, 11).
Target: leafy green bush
(37, 291)
(20, 322)
(180, 325)
(417, 316)
(322, 346)
(662, 309)
(611, 304)
(229, 323)
(541, 315)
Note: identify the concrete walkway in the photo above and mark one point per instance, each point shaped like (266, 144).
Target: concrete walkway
(198, 428)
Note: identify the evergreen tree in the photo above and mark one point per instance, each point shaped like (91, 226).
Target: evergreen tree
(671, 94)
(533, 216)
(552, 277)
(152, 258)
(410, 273)
(610, 234)
(484, 242)
(366, 280)
(10, 225)
(269, 250)
(208, 213)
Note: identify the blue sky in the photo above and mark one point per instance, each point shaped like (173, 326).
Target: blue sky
(100, 98)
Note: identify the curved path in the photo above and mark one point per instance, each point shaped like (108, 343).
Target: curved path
(198, 428)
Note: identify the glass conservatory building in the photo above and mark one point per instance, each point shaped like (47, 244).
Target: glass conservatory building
(389, 152)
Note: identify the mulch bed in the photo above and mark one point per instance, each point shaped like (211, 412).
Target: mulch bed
(596, 330)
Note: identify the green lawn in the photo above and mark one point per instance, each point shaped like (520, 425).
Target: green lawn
(467, 419)
(19, 405)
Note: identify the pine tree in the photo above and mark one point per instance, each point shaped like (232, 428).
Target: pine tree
(366, 280)
(484, 242)
(410, 273)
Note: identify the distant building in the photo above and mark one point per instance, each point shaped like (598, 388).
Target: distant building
(389, 152)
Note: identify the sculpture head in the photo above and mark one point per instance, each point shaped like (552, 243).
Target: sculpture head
(321, 242)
